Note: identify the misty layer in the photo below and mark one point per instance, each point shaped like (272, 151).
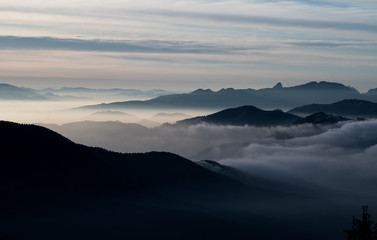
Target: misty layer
(340, 156)
(194, 141)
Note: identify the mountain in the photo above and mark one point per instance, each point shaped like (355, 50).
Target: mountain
(270, 98)
(168, 117)
(10, 92)
(245, 115)
(108, 112)
(321, 118)
(53, 188)
(324, 86)
(348, 107)
(111, 115)
(372, 92)
(109, 91)
(100, 132)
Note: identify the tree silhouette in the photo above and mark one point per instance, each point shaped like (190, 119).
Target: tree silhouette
(364, 228)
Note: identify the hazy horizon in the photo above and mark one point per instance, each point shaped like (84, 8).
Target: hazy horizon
(173, 90)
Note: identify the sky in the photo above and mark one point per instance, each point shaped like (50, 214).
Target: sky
(184, 45)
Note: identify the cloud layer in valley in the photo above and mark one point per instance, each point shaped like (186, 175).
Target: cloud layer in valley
(341, 156)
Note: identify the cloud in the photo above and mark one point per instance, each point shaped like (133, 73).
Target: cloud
(187, 141)
(342, 157)
(318, 3)
(268, 20)
(142, 46)
(331, 44)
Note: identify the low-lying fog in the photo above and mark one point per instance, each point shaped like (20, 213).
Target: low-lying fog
(60, 112)
(341, 156)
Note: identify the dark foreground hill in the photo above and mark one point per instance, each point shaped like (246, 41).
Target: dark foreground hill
(53, 188)
(348, 107)
(245, 115)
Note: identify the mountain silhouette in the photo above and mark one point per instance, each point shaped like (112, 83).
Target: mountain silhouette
(10, 92)
(118, 91)
(348, 107)
(53, 188)
(244, 115)
(278, 86)
(321, 118)
(271, 98)
(108, 112)
(372, 92)
(325, 86)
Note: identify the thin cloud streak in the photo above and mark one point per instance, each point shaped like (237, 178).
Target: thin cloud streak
(143, 46)
(294, 41)
(273, 21)
(330, 44)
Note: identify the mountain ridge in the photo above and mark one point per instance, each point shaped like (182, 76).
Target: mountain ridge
(12, 92)
(270, 98)
(347, 107)
(244, 115)
(53, 188)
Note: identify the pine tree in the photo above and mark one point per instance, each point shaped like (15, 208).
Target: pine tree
(364, 229)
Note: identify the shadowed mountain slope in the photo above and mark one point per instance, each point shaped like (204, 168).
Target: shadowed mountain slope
(348, 107)
(53, 188)
(36, 156)
(245, 115)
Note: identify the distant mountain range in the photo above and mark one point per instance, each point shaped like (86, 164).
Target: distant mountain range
(111, 91)
(53, 188)
(111, 113)
(268, 98)
(180, 137)
(10, 92)
(348, 107)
